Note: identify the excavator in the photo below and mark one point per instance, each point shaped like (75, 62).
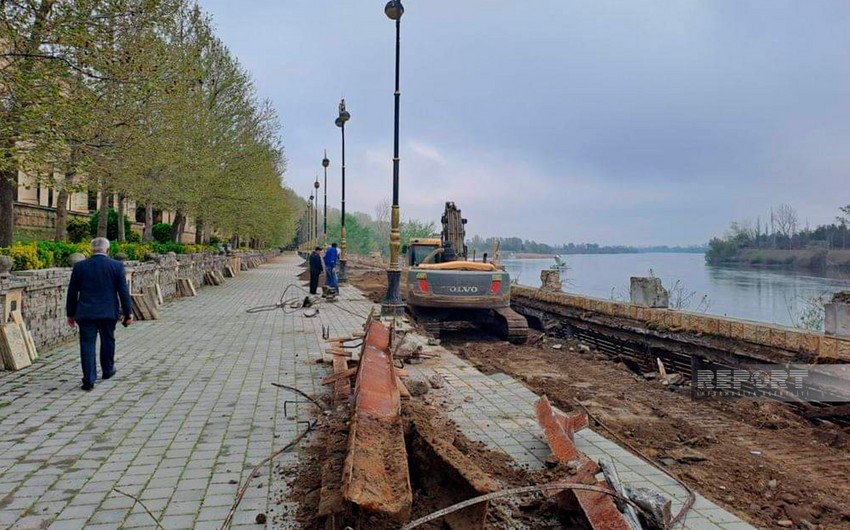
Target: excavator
(445, 288)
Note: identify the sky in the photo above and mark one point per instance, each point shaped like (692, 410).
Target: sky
(607, 121)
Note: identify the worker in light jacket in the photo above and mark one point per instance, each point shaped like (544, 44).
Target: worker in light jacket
(97, 297)
(331, 258)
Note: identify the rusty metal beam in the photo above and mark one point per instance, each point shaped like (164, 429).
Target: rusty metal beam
(375, 476)
(600, 510)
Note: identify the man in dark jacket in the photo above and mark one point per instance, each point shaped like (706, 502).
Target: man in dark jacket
(97, 286)
(315, 269)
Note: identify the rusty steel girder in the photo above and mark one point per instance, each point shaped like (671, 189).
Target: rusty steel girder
(375, 475)
(599, 508)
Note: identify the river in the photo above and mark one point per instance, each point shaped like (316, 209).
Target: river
(771, 296)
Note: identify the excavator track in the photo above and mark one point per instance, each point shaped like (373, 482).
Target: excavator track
(514, 327)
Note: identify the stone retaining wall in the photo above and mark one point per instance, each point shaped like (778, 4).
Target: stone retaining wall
(810, 345)
(44, 290)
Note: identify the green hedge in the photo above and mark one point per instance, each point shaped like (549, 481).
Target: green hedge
(46, 254)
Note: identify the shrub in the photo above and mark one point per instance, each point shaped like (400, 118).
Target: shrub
(78, 230)
(134, 237)
(24, 255)
(162, 232)
(45, 254)
(111, 224)
(60, 252)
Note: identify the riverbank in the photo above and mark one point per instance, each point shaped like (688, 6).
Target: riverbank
(800, 259)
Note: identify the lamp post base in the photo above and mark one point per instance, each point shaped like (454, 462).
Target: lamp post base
(342, 275)
(393, 306)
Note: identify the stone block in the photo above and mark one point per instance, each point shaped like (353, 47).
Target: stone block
(809, 343)
(648, 292)
(828, 348)
(551, 280)
(844, 350)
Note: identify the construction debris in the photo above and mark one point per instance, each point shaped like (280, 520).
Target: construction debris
(600, 510)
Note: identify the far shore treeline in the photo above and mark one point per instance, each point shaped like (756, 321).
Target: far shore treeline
(778, 240)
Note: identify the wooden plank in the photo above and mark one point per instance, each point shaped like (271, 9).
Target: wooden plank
(143, 309)
(18, 319)
(159, 298)
(340, 375)
(150, 295)
(14, 347)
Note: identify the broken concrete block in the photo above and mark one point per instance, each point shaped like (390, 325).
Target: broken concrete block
(837, 318)
(648, 292)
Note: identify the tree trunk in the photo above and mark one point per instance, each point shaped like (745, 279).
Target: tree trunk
(147, 235)
(103, 215)
(199, 232)
(122, 236)
(8, 190)
(60, 230)
(177, 226)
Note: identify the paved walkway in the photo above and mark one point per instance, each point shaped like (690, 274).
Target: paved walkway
(192, 410)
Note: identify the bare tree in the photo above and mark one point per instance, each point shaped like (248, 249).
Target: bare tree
(383, 211)
(786, 220)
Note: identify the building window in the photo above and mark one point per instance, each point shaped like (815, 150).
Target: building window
(92, 200)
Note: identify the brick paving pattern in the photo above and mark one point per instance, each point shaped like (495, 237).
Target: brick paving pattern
(192, 410)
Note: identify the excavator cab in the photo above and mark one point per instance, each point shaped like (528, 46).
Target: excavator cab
(420, 248)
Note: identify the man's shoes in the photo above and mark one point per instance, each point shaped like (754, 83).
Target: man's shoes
(109, 375)
(87, 388)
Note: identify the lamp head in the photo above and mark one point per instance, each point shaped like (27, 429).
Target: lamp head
(394, 9)
(316, 184)
(326, 162)
(344, 116)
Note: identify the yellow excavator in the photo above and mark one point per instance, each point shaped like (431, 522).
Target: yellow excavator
(444, 287)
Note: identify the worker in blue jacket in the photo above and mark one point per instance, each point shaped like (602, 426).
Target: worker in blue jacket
(331, 258)
(97, 297)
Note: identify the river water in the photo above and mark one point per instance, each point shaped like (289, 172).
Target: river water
(752, 294)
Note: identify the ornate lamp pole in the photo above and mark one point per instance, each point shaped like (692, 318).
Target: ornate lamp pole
(325, 164)
(344, 116)
(392, 305)
(316, 211)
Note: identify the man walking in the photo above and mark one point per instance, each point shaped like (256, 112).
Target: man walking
(315, 269)
(331, 257)
(97, 286)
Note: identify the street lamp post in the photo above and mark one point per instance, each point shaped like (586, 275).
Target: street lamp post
(325, 164)
(316, 211)
(343, 117)
(310, 242)
(392, 304)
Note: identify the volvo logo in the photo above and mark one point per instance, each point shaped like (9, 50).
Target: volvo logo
(463, 289)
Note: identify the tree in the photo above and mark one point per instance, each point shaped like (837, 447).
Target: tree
(786, 220)
(382, 225)
(413, 228)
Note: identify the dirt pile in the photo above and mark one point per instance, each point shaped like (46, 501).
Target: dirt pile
(756, 459)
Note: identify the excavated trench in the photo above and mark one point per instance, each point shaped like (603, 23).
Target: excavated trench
(445, 468)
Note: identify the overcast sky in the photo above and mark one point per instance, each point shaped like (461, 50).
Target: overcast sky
(610, 121)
